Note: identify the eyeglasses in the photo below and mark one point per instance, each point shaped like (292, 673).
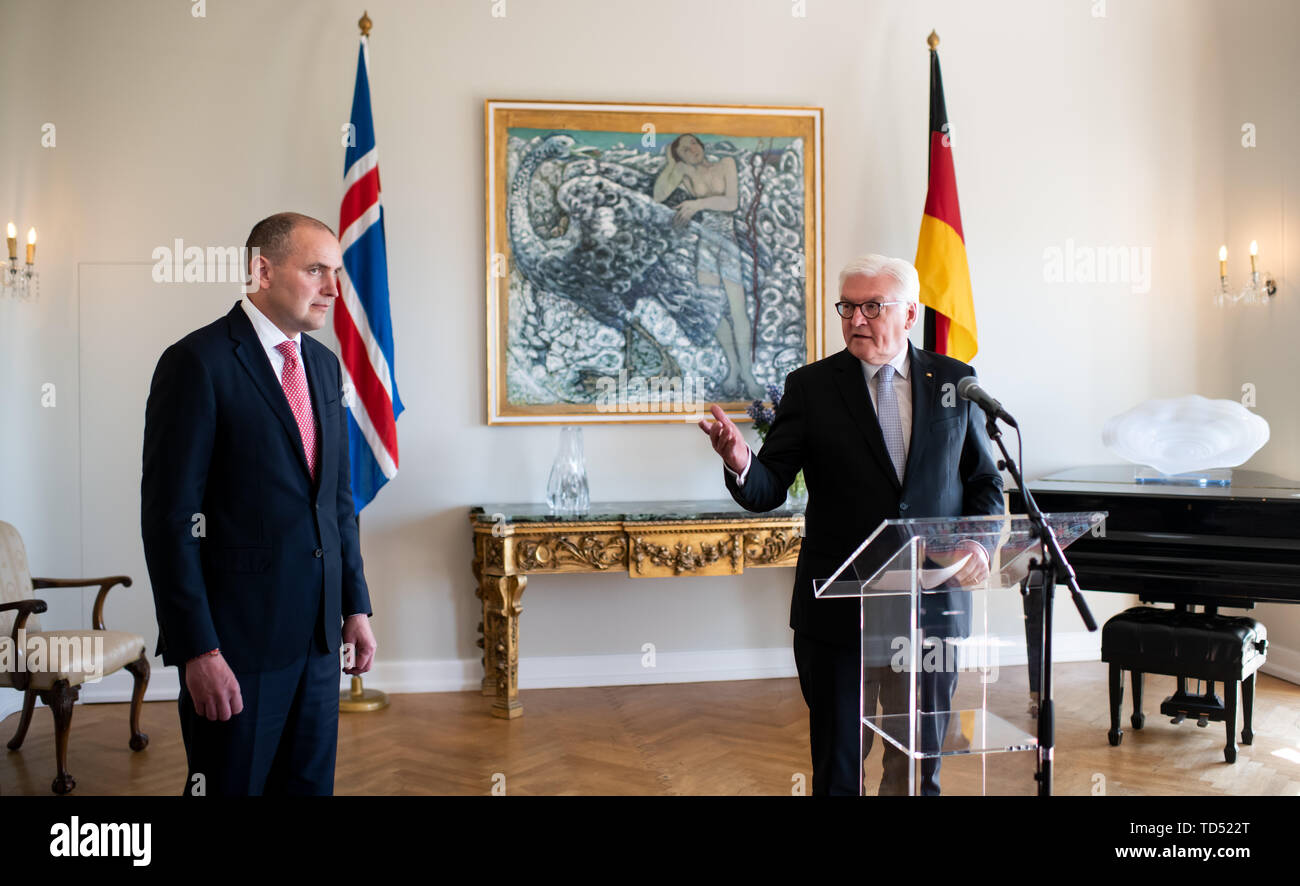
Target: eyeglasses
(870, 309)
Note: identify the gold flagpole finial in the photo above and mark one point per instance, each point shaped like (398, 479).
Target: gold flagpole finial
(364, 23)
(932, 41)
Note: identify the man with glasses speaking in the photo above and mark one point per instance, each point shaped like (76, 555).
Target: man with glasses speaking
(879, 433)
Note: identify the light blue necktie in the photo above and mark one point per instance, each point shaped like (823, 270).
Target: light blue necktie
(891, 423)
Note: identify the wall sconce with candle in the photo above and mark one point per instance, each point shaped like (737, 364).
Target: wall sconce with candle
(1256, 292)
(20, 281)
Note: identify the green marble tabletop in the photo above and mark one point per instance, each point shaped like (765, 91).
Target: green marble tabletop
(628, 511)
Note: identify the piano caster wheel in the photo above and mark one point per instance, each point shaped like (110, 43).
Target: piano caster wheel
(1138, 720)
(1230, 754)
(1202, 721)
(1178, 718)
(1115, 736)
(1247, 737)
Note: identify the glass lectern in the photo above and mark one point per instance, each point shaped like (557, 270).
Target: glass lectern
(944, 672)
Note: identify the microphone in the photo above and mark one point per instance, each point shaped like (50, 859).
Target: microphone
(969, 389)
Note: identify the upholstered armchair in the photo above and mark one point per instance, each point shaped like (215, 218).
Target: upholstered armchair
(53, 665)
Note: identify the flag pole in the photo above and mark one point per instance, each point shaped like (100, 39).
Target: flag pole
(929, 323)
(359, 699)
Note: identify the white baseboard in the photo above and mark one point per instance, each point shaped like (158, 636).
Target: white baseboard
(1066, 647)
(1283, 663)
(557, 672)
(567, 671)
(164, 685)
(10, 703)
(668, 667)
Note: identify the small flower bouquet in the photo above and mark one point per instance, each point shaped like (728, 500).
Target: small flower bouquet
(763, 417)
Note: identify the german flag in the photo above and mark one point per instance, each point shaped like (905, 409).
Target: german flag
(941, 248)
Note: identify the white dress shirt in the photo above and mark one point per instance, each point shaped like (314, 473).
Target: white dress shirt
(271, 335)
(902, 363)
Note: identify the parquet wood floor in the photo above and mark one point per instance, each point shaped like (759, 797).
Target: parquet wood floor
(738, 738)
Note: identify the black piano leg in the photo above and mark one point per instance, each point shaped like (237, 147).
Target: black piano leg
(1230, 719)
(1247, 703)
(1138, 718)
(1116, 699)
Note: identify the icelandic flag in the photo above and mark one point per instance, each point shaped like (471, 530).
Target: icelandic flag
(362, 321)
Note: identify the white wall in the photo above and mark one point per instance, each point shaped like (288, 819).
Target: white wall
(1262, 199)
(1107, 131)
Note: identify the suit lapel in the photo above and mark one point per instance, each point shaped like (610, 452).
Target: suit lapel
(852, 386)
(922, 383)
(249, 352)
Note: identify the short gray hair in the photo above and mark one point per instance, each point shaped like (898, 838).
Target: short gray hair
(271, 236)
(899, 270)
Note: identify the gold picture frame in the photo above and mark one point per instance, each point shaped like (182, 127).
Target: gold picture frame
(645, 260)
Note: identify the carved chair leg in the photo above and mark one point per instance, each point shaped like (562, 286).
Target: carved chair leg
(29, 702)
(140, 672)
(60, 700)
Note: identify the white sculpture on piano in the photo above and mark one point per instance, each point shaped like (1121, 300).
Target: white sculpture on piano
(1191, 433)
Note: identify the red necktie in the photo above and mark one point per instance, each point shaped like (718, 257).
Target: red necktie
(294, 382)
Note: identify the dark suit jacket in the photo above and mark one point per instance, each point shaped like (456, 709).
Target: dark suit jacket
(277, 562)
(826, 425)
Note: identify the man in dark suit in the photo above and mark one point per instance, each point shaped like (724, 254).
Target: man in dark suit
(879, 434)
(249, 530)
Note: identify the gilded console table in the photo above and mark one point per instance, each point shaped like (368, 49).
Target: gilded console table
(644, 539)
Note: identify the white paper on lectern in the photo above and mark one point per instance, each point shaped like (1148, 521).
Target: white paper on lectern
(901, 579)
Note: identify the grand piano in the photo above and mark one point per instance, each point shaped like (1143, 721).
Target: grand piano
(1209, 546)
(1213, 546)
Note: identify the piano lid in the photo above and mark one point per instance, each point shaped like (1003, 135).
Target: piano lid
(1216, 546)
(1118, 480)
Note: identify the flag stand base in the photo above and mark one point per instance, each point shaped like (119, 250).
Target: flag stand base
(361, 700)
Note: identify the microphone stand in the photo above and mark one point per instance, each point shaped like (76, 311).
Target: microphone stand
(1051, 566)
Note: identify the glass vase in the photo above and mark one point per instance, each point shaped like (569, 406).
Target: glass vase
(566, 491)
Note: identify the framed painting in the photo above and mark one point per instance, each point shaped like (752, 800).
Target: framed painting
(644, 261)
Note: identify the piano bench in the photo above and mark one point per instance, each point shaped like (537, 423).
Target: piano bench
(1186, 645)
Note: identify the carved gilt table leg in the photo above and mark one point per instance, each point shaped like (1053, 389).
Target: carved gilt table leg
(501, 611)
(488, 686)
